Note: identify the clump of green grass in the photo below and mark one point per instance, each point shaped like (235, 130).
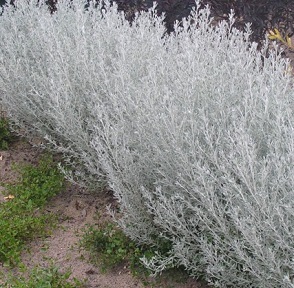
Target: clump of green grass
(20, 215)
(44, 278)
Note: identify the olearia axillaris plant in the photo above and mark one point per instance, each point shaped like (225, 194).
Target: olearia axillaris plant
(202, 158)
(276, 35)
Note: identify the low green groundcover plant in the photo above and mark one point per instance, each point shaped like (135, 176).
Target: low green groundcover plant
(109, 248)
(44, 278)
(20, 214)
(5, 134)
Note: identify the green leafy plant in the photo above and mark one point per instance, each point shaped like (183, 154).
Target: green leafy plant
(5, 134)
(20, 217)
(107, 241)
(44, 278)
(110, 247)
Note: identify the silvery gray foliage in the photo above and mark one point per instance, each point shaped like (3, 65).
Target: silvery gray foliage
(203, 156)
(57, 70)
(193, 131)
(45, 80)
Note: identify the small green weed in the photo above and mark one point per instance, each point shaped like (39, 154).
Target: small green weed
(44, 278)
(20, 217)
(110, 247)
(5, 134)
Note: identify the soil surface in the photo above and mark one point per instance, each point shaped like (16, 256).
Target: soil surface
(76, 208)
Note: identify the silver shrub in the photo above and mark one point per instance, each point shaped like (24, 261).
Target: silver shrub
(194, 131)
(56, 71)
(48, 78)
(202, 155)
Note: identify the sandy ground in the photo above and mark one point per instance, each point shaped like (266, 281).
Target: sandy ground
(76, 208)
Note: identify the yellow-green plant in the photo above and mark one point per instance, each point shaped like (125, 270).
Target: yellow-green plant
(276, 35)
